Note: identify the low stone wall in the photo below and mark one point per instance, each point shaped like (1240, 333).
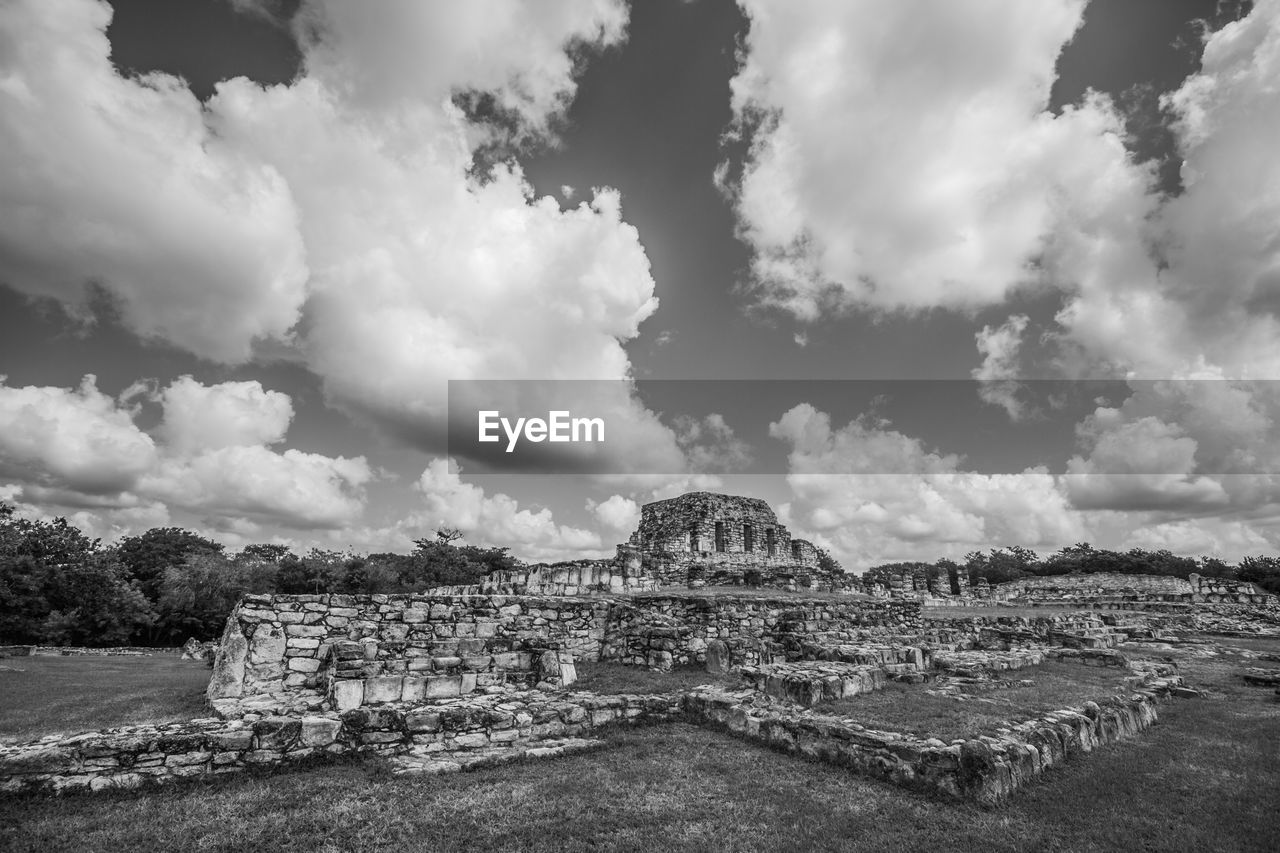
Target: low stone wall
(810, 682)
(128, 756)
(1106, 589)
(114, 651)
(985, 769)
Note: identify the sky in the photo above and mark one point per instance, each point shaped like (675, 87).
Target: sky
(930, 278)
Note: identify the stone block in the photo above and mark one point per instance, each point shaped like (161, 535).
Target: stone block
(304, 664)
(383, 688)
(276, 733)
(319, 731)
(443, 686)
(346, 694)
(413, 689)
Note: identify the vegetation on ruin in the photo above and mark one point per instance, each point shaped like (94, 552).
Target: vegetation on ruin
(1204, 778)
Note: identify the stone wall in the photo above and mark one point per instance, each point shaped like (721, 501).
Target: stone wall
(664, 631)
(1106, 588)
(285, 643)
(623, 574)
(985, 769)
(292, 651)
(450, 733)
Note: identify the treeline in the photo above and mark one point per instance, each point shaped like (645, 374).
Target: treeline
(1000, 565)
(58, 587)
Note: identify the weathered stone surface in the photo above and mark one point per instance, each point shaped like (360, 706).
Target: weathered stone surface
(319, 731)
(719, 660)
(384, 688)
(227, 680)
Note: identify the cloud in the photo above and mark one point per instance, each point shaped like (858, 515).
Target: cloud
(82, 449)
(908, 161)
(617, 514)
(122, 183)
(75, 438)
(872, 495)
(999, 348)
(349, 213)
(423, 271)
(495, 519)
(231, 414)
(710, 444)
(1139, 464)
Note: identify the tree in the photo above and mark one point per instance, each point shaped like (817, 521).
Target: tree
(1264, 571)
(56, 586)
(147, 556)
(199, 593)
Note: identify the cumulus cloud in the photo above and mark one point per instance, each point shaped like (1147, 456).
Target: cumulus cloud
(908, 161)
(231, 414)
(999, 347)
(347, 212)
(421, 271)
(617, 514)
(495, 519)
(74, 438)
(122, 183)
(711, 445)
(872, 494)
(82, 449)
(1207, 305)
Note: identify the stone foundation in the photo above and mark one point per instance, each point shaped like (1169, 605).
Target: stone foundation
(128, 756)
(986, 770)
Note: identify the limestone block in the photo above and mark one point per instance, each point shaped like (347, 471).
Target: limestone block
(305, 631)
(346, 694)
(443, 686)
(383, 688)
(413, 689)
(718, 657)
(227, 680)
(277, 733)
(319, 731)
(304, 664)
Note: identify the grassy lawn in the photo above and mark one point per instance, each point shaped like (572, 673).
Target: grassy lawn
(612, 678)
(909, 708)
(43, 695)
(1206, 778)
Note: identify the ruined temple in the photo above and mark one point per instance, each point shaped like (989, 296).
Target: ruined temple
(707, 538)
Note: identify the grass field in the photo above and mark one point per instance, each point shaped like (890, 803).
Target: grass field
(908, 708)
(43, 695)
(1206, 778)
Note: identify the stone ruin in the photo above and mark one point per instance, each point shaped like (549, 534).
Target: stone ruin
(473, 676)
(441, 682)
(692, 541)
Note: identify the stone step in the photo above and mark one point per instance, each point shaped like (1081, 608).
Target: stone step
(435, 763)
